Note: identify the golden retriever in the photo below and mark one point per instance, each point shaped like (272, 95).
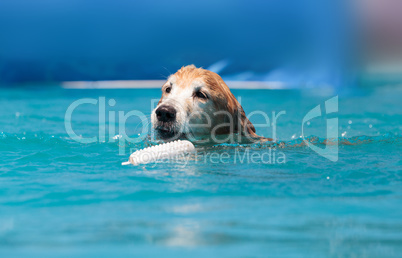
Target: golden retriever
(197, 105)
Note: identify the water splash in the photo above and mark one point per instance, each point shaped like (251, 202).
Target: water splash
(43, 140)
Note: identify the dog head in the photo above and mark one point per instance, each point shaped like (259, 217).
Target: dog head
(196, 103)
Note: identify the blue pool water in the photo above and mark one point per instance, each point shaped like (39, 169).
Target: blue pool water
(62, 197)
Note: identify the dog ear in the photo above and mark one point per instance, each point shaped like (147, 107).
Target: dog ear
(245, 126)
(241, 123)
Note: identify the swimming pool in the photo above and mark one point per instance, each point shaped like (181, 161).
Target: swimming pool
(60, 196)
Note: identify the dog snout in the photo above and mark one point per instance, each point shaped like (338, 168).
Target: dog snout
(166, 113)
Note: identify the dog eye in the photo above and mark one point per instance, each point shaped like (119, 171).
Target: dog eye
(168, 89)
(201, 95)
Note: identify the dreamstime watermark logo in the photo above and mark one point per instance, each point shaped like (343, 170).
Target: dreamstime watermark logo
(114, 129)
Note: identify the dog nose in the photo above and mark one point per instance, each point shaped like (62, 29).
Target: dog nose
(166, 114)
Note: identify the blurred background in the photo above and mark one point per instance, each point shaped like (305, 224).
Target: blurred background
(286, 44)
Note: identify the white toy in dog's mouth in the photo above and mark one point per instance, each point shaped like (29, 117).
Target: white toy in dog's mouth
(160, 152)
